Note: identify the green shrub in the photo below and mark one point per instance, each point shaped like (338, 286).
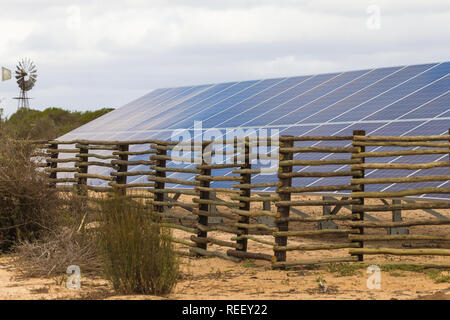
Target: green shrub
(137, 253)
(28, 207)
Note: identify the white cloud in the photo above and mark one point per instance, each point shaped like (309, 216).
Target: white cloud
(115, 50)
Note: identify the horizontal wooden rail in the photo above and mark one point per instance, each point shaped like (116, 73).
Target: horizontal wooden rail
(318, 150)
(397, 237)
(315, 138)
(402, 138)
(182, 170)
(313, 247)
(250, 255)
(401, 252)
(307, 203)
(316, 188)
(288, 163)
(403, 144)
(404, 193)
(400, 179)
(256, 185)
(173, 181)
(313, 233)
(216, 242)
(318, 174)
(94, 176)
(400, 153)
(401, 166)
(320, 218)
(403, 206)
(218, 178)
(391, 224)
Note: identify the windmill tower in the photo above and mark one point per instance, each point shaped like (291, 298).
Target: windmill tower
(26, 75)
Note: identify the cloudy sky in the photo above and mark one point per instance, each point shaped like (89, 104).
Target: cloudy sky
(98, 53)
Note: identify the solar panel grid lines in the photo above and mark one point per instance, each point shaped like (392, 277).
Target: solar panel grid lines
(335, 133)
(405, 100)
(296, 97)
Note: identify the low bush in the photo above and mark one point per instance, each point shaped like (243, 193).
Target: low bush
(137, 252)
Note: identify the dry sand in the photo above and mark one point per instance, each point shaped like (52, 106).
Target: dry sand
(214, 278)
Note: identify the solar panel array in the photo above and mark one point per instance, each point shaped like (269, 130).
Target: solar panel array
(394, 101)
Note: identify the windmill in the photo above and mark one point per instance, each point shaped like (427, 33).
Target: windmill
(26, 75)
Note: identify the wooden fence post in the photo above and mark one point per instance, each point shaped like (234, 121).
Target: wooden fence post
(122, 168)
(160, 185)
(53, 165)
(245, 205)
(205, 195)
(82, 168)
(284, 196)
(359, 188)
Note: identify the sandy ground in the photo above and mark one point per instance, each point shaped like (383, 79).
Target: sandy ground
(215, 278)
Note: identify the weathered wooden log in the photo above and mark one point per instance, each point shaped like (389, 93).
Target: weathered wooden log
(256, 185)
(316, 188)
(184, 170)
(308, 203)
(404, 193)
(173, 158)
(215, 241)
(403, 144)
(250, 255)
(94, 176)
(250, 171)
(218, 203)
(63, 150)
(204, 252)
(177, 226)
(313, 247)
(218, 190)
(401, 153)
(318, 149)
(400, 166)
(313, 233)
(182, 241)
(319, 218)
(401, 179)
(95, 163)
(401, 252)
(132, 173)
(218, 166)
(51, 160)
(218, 178)
(392, 224)
(314, 138)
(215, 214)
(132, 185)
(286, 163)
(98, 189)
(216, 227)
(174, 181)
(256, 213)
(253, 238)
(257, 226)
(397, 237)
(95, 155)
(134, 153)
(177, 191)
(403, 138)
(174, 204)
(313, 261)
(318, 174)
(133, 162)
(255, 199)
(404, 206)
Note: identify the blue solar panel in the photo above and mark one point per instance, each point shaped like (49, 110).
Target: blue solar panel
(404, 100)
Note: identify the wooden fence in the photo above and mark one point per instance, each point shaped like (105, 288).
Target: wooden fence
(235, 217)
